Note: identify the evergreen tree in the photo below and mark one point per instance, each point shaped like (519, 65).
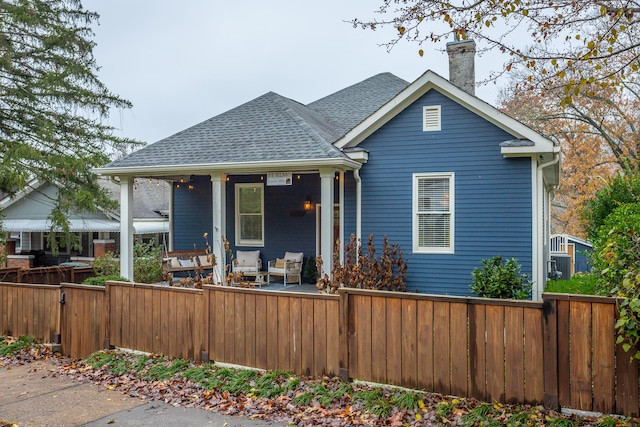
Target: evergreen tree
(52, 105)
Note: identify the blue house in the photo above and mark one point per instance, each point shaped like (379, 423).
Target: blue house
(435, 169)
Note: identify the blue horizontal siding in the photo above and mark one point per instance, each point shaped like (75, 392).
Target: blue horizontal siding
(493, 204)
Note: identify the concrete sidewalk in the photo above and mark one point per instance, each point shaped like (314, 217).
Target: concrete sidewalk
(31, 396)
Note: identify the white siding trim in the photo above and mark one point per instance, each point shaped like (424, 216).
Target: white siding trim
(452, 218)
(536, 223)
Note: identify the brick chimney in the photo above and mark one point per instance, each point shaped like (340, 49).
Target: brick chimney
(462, 64)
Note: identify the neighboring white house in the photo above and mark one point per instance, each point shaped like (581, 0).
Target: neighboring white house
(26, 220)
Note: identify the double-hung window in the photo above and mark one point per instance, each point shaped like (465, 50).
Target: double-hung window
(433, 213)
(249, 214)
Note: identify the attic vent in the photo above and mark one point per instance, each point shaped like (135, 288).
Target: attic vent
(431, 118)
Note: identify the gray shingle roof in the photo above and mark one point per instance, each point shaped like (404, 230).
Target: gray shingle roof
(271, 128)
(348, 107)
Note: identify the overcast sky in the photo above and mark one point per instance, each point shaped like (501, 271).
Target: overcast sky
(180, 63)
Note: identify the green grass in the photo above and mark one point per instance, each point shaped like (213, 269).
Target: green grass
(9, 347)
(585, 284)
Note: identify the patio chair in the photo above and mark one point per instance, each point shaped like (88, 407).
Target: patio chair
(289, 267)
(247, 262)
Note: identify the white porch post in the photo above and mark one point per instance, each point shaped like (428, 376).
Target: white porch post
(126, 227)
(218, 197)
(327, 182)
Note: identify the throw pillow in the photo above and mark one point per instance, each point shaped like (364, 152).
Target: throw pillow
(280, 263)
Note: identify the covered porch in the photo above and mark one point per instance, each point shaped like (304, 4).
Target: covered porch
(273, 211)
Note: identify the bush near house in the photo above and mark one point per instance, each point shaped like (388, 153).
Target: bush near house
(498, 279)
(388, 273)
(147, 266)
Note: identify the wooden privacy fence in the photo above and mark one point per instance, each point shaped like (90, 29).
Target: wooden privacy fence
(30, 310)
(53, 275)
(559, 352)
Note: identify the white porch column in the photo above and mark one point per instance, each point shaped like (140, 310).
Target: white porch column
(126, 227)
(218, 198)
(327, 182)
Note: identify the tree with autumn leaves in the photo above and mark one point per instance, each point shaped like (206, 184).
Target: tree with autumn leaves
(598, 133)
(570, 43)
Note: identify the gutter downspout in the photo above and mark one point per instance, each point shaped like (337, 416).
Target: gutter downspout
(553, 161)
(356, 176)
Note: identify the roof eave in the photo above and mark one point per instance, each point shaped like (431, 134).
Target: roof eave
(229, 168)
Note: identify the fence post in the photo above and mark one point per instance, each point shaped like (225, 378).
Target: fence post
(550, 349)
(343, 334)
(107, 316)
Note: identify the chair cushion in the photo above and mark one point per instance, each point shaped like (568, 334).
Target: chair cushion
(202, 259)
(174, 263)
(294, 256)
(246, 260)
(186, 263)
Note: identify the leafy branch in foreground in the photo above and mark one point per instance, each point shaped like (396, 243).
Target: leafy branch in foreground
(581, 40)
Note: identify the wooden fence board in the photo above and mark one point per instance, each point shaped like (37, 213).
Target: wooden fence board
(425, 344)
(239, 325)
(229, 328)
(477, 366)
(378, 339)
(362, 330)
(409, 332)
(514, 354)
(459, 355)
(534, 356)
(307, 357)
(393, 329)
(603, 357)
(564, 373)
(495, 353)
(284, 333)
(273, 342)
(319, 337)
(333, 343)
(262, 325)
(581, 351)
(250, 329)
(442, 349)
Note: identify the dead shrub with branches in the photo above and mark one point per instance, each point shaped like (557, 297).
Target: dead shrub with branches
(387, 273)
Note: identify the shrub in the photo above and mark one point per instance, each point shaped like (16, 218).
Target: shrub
(106, 265)
(388, 273)
(616, 248)
(147, 263)
(621, 190)
(498, 279)
(101, 280)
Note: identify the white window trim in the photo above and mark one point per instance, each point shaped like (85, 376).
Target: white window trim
(415, 229)
(240, 242)
(428, 109)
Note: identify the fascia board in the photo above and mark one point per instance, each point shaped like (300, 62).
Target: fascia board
(30, 188)
(240, 167)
